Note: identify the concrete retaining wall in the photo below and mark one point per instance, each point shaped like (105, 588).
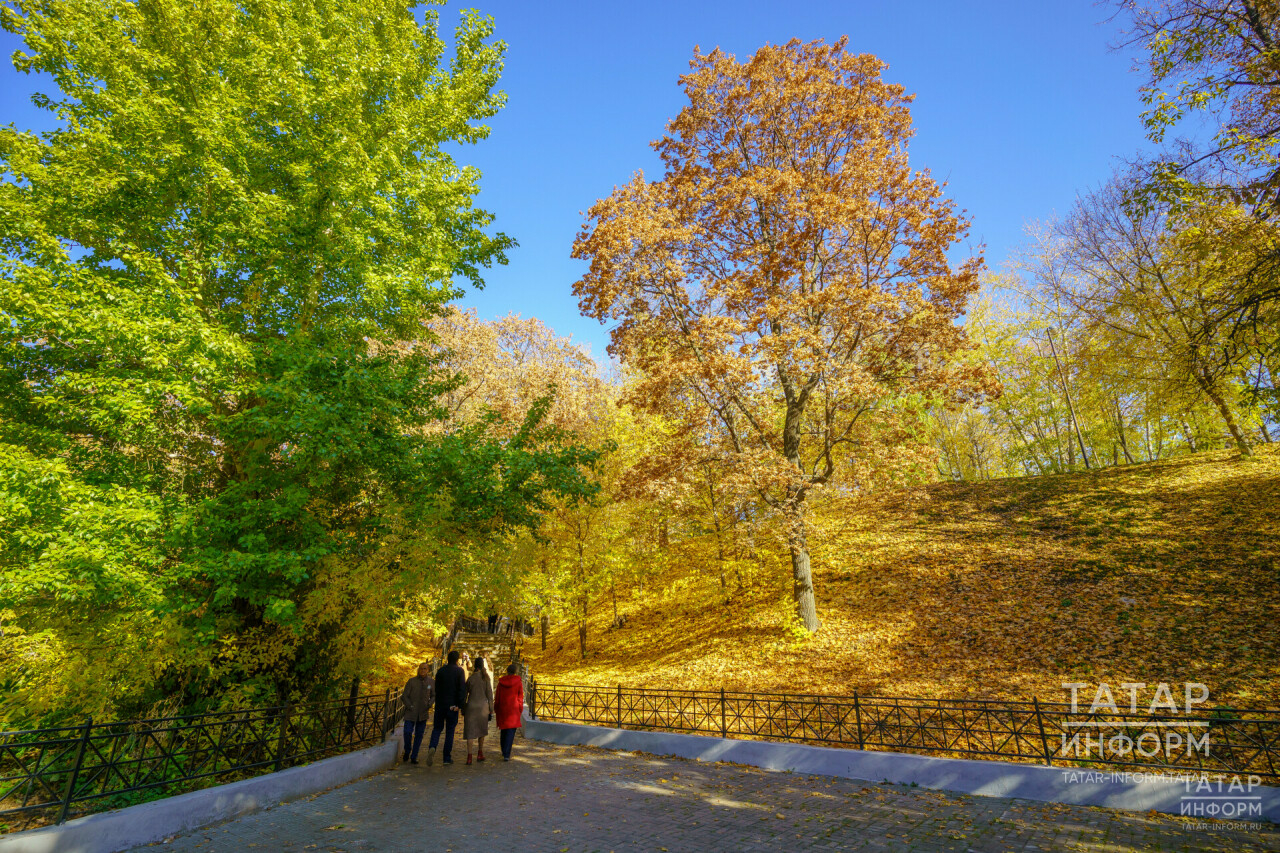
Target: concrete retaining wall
(109, 832)
(1133, 791)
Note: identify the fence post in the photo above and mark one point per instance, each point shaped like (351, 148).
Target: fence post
(284, 733)
(724, 726)
(857, 720)
(533, 698)
(619, 706)
(1044, 741)
(75, 772)
(386, 713)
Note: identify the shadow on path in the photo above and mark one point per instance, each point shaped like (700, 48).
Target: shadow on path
(565, 798)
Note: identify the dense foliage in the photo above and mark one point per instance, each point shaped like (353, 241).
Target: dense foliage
(221, 473)
(247, 452)
(784, 291)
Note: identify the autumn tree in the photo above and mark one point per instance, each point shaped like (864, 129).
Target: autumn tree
(512, 366)
(786, 283)
(1220, 58)
(1152, 293)
(584, 549)
(511, 362)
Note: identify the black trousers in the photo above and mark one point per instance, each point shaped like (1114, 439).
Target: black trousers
(447, 721)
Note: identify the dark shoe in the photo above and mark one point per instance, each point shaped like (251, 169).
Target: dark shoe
(506, 758)
(447, 761)
(413, 761)
(431, 756)
(404, 758)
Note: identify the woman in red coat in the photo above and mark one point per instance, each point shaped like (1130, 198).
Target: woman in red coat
(507, 704)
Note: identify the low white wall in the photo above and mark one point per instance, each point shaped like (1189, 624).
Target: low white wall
(109, 832)
(985, 778)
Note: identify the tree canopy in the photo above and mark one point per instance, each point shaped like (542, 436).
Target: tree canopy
(217, 476)
(785, 287)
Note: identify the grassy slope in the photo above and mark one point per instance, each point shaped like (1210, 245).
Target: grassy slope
(1160, 572)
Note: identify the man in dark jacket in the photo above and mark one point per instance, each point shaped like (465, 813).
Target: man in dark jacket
(451, 694)
(418, 694)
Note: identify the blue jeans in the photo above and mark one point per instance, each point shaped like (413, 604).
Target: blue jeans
(448, 721)
(507, 737)
(413, 732)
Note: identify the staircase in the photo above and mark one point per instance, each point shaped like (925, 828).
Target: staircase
(469, 637)
(499, 649)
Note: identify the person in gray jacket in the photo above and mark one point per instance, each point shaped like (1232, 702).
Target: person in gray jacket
(418, 697)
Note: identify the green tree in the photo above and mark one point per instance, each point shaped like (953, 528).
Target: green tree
(210, 445)
(1221, 59)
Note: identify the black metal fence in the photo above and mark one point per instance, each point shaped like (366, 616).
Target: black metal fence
(1221, 741)
(48, 774)
(510, 626)
(471, 624)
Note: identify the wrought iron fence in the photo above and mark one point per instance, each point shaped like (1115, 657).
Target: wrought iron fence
(472, 625)
(510, 626)
(48, 774)
(1220, 741)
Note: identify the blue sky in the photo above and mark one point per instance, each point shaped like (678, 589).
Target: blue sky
(1018, 107)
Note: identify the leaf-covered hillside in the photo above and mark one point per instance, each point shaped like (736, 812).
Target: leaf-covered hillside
(1146, 573)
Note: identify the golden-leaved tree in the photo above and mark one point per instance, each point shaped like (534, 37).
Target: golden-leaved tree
(512, 362)
(785, 288)
(1145, 282)
(512, 366)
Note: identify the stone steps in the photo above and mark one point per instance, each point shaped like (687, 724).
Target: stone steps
(499, 649)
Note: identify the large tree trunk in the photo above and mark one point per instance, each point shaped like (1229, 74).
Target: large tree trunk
(1211, 391)
(1188, 435)
(793, 510)
(801, 571)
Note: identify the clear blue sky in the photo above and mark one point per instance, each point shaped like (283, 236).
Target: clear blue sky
(1018, 106)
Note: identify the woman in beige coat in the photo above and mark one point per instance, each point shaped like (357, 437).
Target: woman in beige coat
(479, 707)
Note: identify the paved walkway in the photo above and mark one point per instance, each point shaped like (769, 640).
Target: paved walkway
(566, 798)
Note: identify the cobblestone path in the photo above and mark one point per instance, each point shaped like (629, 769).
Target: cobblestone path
(563, 798)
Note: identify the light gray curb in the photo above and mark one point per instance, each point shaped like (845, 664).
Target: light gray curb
(1133, 791)
(109, 832)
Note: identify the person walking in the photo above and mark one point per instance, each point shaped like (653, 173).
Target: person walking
(508, 705)
(493, 618)
(418, 697)
(475, 721)
(451, 688)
